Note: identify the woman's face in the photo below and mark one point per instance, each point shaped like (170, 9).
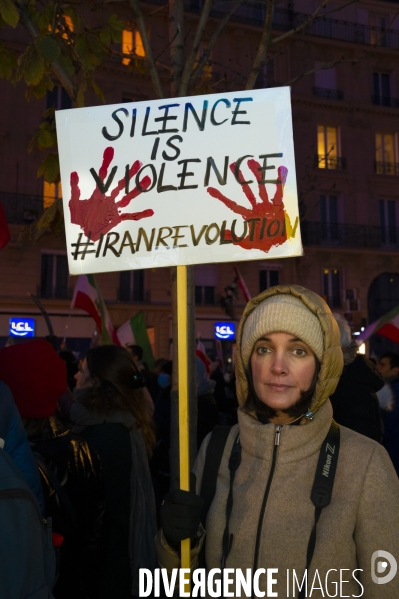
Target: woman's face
(282, 366)
(82, 377)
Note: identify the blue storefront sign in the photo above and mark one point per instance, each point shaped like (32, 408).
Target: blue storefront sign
(22, 327)
(225, 330)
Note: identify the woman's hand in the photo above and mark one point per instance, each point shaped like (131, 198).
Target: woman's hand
(180, 516)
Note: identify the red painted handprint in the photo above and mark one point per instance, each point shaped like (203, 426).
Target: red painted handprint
(266, 223)
(100, 213)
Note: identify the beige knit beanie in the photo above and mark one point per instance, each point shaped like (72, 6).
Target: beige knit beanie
(282, 314)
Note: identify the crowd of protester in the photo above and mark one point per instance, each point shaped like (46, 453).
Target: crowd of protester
(89, 439)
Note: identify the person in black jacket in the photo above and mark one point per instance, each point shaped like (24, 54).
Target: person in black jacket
(70, 470)
(111, 413)
(355, 404)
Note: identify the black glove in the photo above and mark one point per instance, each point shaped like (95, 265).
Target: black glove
(181, 515)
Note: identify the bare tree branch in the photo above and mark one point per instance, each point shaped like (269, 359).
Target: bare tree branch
(339, 8)
(147, 48)
(212, 41)
(185, 78)
(327, 65)
(263, 46)
(176, 14)
(302, 25)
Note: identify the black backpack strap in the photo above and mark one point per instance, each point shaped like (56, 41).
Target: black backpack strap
(58, 488)
(323, 485)
(213, 458)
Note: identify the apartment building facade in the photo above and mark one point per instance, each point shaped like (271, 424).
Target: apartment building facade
(343, 69)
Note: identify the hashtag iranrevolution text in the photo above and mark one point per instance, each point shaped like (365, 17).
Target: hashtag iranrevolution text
(261, 233)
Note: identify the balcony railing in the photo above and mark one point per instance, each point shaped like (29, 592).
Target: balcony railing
(21, 209)
(332, 94)
(336, 163)
(386, 168)
(350, 236)
(253, 13)
(385, 101)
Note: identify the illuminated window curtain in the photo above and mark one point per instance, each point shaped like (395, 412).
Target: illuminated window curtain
(51, 192)
(327, 146)
(138, 44)
(132, 43)
(127, 45)
(385, 147)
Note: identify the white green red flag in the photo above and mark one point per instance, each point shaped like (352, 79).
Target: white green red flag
(87, 296)
(387, 326)
(134, 331)
(242, 285)
(125, 334)
(200, 352)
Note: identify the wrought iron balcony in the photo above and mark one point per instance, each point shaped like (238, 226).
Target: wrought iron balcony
(332, 94)
(385, 101)
(350, 236)
(253, 13)
(386, 168)
(327, 162)
(21, 209)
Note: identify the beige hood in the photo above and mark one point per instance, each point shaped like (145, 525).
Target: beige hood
(332, 363)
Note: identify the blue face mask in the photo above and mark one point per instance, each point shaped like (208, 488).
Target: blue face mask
(164, 380)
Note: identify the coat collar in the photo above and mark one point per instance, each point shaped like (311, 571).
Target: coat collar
(296, 442)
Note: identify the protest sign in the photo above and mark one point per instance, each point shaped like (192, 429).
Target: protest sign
(182, 181)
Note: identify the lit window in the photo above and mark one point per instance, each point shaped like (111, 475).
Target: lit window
(66, 23)
(327, 147)
(386, 154)
(132, 44)
(51, 192)
(138, 44)
(69, 25)
(127, 44)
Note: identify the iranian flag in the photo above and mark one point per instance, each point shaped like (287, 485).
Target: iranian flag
(87, 296)
(242, 285)
(200, 352)
(134, 332)
(387, 326)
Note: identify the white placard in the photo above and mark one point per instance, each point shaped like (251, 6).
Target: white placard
(180, 181)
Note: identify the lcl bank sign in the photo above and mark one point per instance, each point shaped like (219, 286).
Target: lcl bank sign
(22, 327)
(225, 331)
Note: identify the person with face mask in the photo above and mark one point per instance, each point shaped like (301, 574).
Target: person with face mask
(272, 507)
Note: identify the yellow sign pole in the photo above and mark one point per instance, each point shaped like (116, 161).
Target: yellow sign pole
(183, 396)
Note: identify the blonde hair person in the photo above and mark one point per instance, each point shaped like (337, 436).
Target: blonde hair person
(268, 512)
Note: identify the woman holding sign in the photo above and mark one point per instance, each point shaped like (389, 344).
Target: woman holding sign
(294, 492)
